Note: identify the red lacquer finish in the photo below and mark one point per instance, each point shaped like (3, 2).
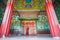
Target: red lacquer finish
(52, 19)
(5, 26)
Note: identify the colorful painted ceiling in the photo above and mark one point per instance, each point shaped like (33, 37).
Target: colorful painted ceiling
(29, 5)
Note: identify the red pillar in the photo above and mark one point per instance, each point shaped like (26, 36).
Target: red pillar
(27, 28)
(0, 30)
(5, 26)
(52, 19)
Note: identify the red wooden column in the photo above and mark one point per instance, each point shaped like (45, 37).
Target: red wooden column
(5, 26)
(0, 30)
(52, 19)
(27, 28)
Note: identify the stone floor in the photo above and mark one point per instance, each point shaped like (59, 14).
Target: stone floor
(38, 37)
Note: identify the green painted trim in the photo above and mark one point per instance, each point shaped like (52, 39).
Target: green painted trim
(28, 19)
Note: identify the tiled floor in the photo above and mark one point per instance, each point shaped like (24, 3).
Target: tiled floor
(39, 37)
